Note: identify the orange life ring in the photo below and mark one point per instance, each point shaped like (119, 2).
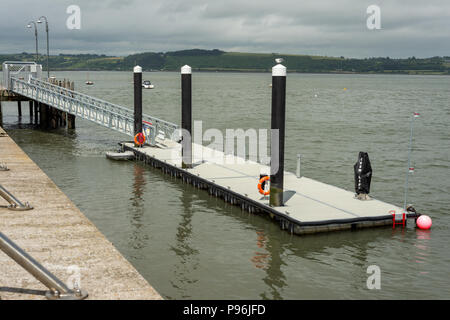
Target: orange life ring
(265, 178)
(139, 139)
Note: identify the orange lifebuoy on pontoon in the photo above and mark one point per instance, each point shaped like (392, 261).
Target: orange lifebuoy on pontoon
(139, 139)
(261, 181)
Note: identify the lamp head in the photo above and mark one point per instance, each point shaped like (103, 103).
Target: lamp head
(28, 25)
(39, 21)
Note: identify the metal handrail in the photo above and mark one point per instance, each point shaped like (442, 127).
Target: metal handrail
(16, 68)
(57, 288)
(65, 102)
(121, 108)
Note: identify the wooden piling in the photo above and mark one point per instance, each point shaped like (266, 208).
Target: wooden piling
(53, 117)
(71, 117)
(19, 108)
(36, 112)
(63, 115)
(44, 112)
(31, 109)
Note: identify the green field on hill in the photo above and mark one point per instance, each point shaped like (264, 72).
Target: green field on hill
(217, 60)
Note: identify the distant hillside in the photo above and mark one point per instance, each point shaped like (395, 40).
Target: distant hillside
(217, 60)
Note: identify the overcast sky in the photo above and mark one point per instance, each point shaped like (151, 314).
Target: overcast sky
(418, 28)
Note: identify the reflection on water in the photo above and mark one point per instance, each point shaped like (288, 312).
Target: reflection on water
(188, 244)
(274, 278)
(137, 208)
(183, 248)
(422, 255)
(261, 256)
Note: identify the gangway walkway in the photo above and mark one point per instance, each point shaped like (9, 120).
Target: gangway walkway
(25, 82)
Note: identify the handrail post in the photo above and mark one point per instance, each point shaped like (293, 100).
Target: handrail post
(57, 289)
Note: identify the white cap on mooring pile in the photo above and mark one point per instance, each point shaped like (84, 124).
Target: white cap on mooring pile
(137, 69)
(186, 69)
(279, 70)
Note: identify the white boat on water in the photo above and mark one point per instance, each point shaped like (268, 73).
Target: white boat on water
(88, 82)
(127, 155)
(147, 85)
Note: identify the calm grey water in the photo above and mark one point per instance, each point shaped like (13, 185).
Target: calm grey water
(190, 245)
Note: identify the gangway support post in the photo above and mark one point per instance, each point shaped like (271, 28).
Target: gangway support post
(71, 117)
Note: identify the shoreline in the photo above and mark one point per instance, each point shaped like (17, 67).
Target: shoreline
(260, 71)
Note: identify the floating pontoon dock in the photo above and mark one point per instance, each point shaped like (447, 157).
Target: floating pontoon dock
(310, 206)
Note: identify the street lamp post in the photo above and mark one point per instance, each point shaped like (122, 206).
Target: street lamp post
(36, 36)
(46, 30)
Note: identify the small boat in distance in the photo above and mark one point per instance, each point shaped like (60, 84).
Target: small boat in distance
(147, 85)
(88, 82)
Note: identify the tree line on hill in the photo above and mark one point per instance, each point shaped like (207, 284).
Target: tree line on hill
(218, 60)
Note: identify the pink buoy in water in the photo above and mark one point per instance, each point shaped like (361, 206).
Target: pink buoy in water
(424, 222)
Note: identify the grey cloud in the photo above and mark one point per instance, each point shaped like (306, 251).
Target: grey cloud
(325, 27)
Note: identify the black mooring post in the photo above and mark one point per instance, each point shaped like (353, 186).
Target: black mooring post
(277, 134)
(137, 99)
(186, 116)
